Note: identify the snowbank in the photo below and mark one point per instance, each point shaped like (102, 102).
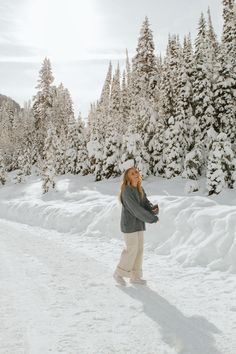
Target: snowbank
(194, 230)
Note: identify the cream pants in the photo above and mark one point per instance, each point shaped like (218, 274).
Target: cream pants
(131, 260)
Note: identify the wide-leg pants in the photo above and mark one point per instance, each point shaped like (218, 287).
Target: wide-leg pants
(131, 260)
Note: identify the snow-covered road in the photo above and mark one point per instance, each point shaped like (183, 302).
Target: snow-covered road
(57, 295)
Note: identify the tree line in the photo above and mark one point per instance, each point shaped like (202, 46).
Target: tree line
(171, 115)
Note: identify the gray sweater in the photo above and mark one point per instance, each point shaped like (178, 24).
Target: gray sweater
(135, 211)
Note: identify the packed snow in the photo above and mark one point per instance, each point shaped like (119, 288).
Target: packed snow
(58, 253)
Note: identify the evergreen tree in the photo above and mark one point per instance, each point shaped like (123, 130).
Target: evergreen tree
(91, 123)
(27, 158)
(2, 170)
(83, 166)
(220, 168)
(194, 158)
(113, 130)
(224, 98)
(60, 157)
(202, 82)
(128, 70)
(172, 140)
(29, 136)
(132, 153)
(184, 109)
(225, 81)
(7, 141)
(71, 146)
(211, 38)
(42, 103)
(62, 109)
(124, 105)
(143, 91)
(48, 163)
(24, 161)
(144, 68)
(17, 138)
(98, 128)
(156, 146)
(229, 30)
(192, 163)
(103, 106)
(20, 176)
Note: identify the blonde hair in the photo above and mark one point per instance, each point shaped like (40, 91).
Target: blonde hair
(126, 182)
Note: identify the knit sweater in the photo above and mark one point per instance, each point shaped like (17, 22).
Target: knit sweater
(135, 211)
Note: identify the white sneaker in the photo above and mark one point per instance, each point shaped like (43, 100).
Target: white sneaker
(119, 279)
(138, 281)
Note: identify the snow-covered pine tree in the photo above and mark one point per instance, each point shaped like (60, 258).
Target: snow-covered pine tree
(132, 152)
(17, 137)
(156, 146)
(184, 109)
(60, 154)
(103, 106)
(2, 170)
(48, 163)
(27, 157)
(95, 152)
(144, 91)
(128, 70)
(228, 164)
(42, 104)
(95, 144)
(212, 42)
(172, 164)
(20, 176)
(144, 64)
(71, 146)
(113, 130)
(157, 129)
(62, 109)
(202, 81)
(229, 28)
(124, 104)
(83, 166)
(220, 167)
(65, 127)
(7, 114)
(125, 100)
(91, 122)
(224, 98)
(24, 144)
(225, 78)
(29, 135)
(193, 155)
(24, 160)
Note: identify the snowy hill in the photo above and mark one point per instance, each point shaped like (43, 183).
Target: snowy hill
(12, 102)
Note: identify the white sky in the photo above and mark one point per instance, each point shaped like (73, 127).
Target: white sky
(80, 37)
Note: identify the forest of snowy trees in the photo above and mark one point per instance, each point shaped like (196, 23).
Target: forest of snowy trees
(171, 115)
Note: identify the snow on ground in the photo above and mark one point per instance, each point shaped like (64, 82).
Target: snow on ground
(194, 230)
(58, 253)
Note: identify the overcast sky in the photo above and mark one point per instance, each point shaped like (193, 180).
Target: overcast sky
(80, 37)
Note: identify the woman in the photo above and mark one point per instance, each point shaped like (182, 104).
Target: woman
(136, 210)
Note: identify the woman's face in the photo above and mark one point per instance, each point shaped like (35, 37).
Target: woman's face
(134, 177)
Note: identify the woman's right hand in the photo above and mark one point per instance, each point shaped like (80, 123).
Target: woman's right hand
(155, 209)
